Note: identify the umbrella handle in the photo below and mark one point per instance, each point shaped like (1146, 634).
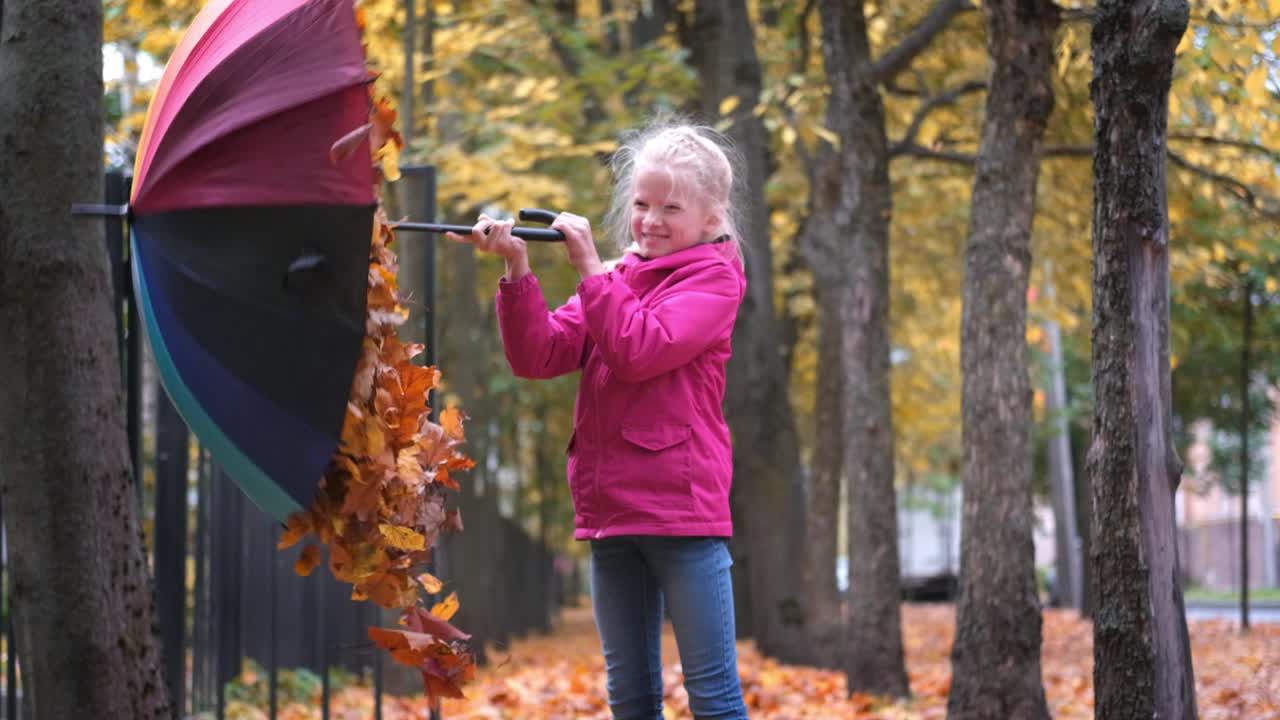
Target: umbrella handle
(527, 214)
(524, 233)
(538, 234)
(538, 215)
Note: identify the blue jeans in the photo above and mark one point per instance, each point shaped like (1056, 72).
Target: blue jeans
(631, 578)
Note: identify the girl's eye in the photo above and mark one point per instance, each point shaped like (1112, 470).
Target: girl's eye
(671, 208)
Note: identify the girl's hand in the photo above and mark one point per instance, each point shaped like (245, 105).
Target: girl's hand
(580, 244)
(494, 236)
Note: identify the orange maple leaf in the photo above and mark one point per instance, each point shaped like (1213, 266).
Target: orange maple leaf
(298, 527)
(363, 500)
(419, 620)
(308, 560)
(407, 647)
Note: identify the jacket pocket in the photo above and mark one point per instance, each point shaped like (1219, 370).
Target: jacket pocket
(653, 472)
(658, 437)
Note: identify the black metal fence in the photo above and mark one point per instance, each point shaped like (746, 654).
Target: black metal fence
(237, 623)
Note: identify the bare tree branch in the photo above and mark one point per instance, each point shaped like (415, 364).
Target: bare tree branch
(1076, 151)
(892, 87)
(947, 98)
(897, 59)
(1089, 14)
(1265, 206)
(1214, 19)
(1085, 15)
(1256, 200)
(959, 158)
(1227, 142)
(955, 158)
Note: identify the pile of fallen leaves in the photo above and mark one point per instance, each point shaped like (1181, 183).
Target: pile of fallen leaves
(381, 504)
(561, 677)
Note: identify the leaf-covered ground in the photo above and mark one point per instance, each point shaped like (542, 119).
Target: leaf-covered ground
(561, 677)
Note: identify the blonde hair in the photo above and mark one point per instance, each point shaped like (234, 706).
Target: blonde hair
(701, 163)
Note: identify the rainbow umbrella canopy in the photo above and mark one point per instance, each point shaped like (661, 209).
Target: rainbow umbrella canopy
(250, 246)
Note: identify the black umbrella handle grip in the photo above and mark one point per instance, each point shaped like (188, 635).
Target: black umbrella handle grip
(537, 234)
(546, 217)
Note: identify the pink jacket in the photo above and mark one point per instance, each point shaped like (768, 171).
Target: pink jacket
(650, 453)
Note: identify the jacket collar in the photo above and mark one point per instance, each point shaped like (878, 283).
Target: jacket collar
(721, 248)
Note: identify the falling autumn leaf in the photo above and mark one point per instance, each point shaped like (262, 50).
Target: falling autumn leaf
(409, 648)
(402, 537)
(447, 607)
(453, 520)
(418, 620)
(389, 156)
(347, 144)
(308, 560)
(451, 420)
(298, 527)
(430, 583)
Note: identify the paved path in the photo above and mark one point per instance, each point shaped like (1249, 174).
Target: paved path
(1261, 613)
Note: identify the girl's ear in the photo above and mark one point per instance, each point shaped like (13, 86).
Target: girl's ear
(712, 224)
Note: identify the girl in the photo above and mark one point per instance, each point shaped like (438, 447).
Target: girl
(650, 461)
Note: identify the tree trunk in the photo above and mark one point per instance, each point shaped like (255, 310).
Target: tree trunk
(409, 38)
(848, 247)
(1142, 654)
(1268, 550)
(1245, 370)
(428, 90)
(84, 618)
(766, 451)
(996, 655)
(822, 493)
(1084, 518)
(1062, 473)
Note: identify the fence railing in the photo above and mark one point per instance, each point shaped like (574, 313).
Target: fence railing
(225, 596)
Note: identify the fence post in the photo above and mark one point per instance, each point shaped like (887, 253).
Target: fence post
(227, 548)
(172, 460)
(128, 327)
(322, 638)
(419, 182)
(272, 599)
(114, 194)
(201, 616)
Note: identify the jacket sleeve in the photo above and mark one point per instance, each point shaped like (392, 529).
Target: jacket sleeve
(638, 342)
(539, 344)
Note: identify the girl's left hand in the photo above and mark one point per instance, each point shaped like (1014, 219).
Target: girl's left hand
(580, 244)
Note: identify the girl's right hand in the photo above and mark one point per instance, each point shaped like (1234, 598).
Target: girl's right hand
(494, 236)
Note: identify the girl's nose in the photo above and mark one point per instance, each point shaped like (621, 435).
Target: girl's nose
(651, 218)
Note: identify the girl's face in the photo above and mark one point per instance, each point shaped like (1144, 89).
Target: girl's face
(663, 220)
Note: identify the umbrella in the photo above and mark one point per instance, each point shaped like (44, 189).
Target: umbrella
(250, 245)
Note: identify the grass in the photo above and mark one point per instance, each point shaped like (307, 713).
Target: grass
(1255, 595)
